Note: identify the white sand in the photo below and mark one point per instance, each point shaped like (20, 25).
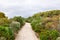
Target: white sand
(26, 33)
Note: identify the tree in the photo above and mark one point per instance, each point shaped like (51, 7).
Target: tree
(3, 19)
(2, 15)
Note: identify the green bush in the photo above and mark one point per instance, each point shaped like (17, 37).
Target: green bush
(5, 25)
(19, 19)
(45, 24)
(37, 25)
(6, 33)
(15, 26)
(49, 35)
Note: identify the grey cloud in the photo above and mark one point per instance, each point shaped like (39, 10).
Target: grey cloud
(27, 8)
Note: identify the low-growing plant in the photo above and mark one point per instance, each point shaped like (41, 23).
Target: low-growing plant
(6, 33)
(15, 26)
(49, 35)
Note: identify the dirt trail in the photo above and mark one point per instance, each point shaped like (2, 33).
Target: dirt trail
(26, 33)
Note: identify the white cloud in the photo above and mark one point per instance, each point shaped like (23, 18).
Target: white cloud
(27, 7)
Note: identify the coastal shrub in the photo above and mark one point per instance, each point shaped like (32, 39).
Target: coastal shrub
(49, 35)
(19, 19)
(6, 33)
(15, 26)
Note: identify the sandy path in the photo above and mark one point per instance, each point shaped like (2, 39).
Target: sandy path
(26, 33)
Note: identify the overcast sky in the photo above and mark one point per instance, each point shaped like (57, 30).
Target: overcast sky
(27, 8)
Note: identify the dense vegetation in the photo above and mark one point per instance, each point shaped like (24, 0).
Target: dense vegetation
(19, 19)
(9, 27)
(46, 24)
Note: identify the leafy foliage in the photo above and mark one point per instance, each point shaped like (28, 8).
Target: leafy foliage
(19, 19)
(49, 35)
(45, 24)
(9, 27)
(4, 21)
(7, 33)
(2, 15)
(15, 26)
